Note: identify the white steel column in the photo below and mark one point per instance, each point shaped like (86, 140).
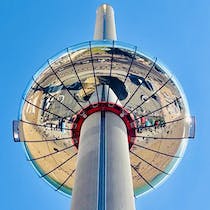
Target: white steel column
(103, 175)
(105, 23)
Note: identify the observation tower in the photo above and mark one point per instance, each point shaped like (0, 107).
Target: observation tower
(102, 122)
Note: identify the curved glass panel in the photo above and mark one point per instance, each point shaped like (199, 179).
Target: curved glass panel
(63, 88)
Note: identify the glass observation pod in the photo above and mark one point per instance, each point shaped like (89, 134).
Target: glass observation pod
(158, 115)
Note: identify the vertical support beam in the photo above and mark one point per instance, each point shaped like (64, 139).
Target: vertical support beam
(103, 176)
(105, 23)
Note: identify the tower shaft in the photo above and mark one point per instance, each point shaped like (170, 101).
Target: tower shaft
(103, 177)
(105, 23)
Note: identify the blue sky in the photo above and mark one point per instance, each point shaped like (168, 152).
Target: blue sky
(177, 32)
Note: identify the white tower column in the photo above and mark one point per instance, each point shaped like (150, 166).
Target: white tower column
(105, 23)
(103, 176)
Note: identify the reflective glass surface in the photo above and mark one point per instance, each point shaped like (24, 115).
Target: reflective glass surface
(145, 88)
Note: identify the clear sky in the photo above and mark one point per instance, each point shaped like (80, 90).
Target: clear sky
(176, 31)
